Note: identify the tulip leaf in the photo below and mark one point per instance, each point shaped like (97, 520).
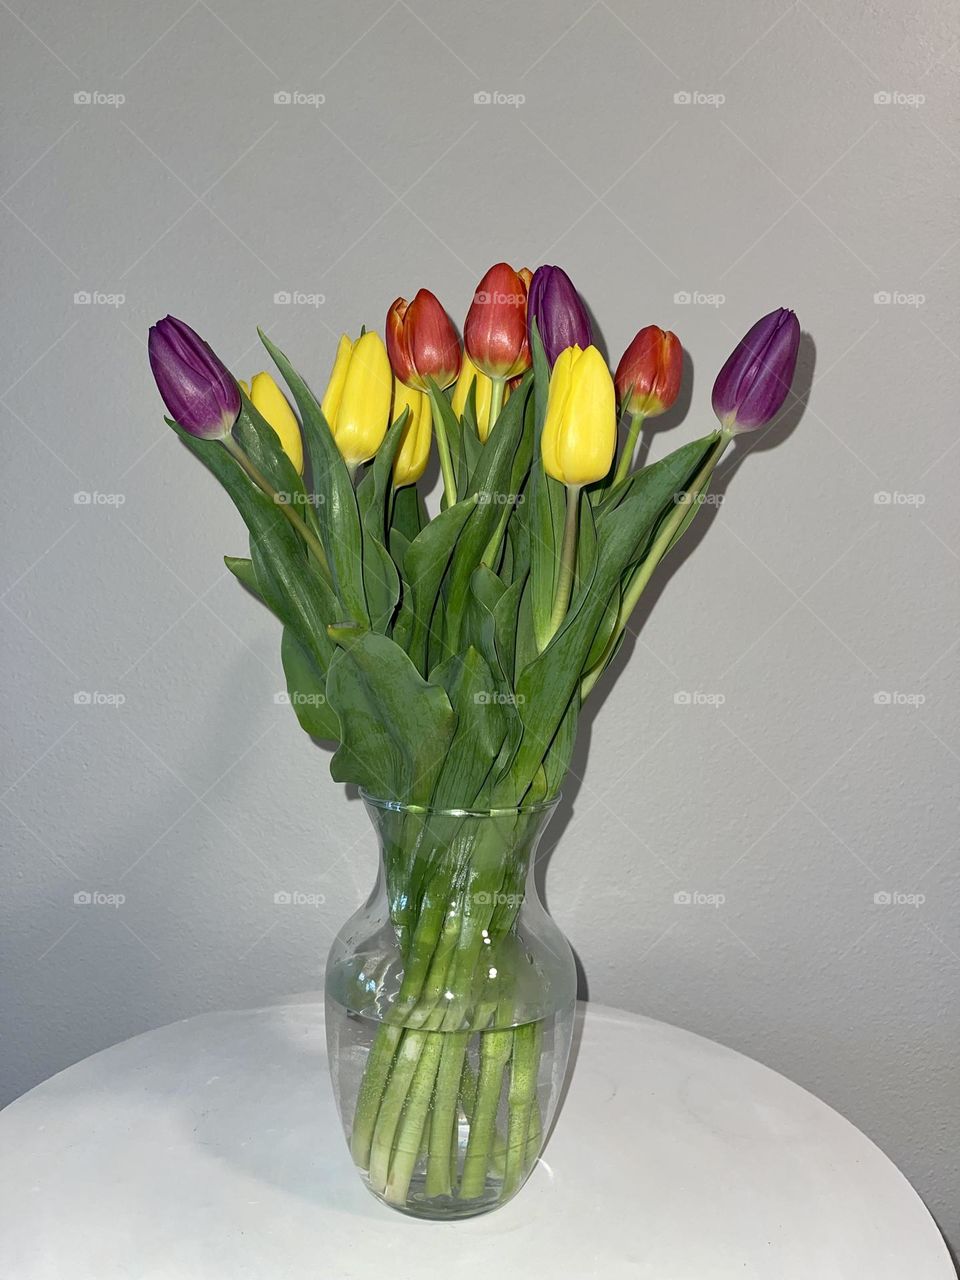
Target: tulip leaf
(287, 581)
(262, 446)
(395, 727)
(546, 686)
(307, 689)
(242, 569)
(333, 489)
(424, 566)
(409, 515)
(380, 578)
(477, 702)
(479, 628)
(490, 484)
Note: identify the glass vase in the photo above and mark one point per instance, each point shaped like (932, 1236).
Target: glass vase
(450, 997)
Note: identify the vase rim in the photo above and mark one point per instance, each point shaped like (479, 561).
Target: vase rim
(397, 806)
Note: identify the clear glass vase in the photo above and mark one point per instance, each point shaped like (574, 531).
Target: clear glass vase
(450, 998)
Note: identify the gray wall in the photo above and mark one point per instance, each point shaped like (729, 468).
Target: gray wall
(799, 797)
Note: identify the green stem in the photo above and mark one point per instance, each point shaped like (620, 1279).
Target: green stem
(395, 1094)
(375, 1075)
(496, 402)
(314, 544)
(444, 1119)
(661, 546)
(443, 449)
(495, 1048)
(629, 448)
(568, 563)
(524, 1070)
(406, 1149)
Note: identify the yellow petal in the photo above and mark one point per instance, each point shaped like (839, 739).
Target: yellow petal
(364, 409)
(553, 424)
(414, 451)
(271, 403)
(588, 435)
(330, 404)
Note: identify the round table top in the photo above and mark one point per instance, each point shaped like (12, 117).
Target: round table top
(211, 1150)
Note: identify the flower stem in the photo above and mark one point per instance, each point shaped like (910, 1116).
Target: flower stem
(444, 1119)
(395, 1094)
(495, 1049)
(375, 1074)
(443, 449)
(314, 545)
(629, 449)
(524, 1070)
(568, 563)
(661, 545)
(407, 1147)
(496, 402)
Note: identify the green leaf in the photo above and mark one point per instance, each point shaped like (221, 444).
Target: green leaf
(424, 566)
(544, 510)
(476, 699)
(490, 483)
(395, 727)
(333, 489)
(242, 569)
(307, 689)
(381, 581)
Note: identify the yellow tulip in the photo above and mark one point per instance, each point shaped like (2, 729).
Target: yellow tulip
(356, 403)
(580, 429)
(270, 402)
(411, 457)
(468, 374)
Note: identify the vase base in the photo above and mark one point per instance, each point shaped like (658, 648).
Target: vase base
(444, 1208)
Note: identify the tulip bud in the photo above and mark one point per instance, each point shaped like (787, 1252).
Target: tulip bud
(495, 330)
(356, 403)
(272, 405)
(580, 428)
(411, 458)
(561, 317)
(648, 375)
(196, 386)
(422, 342)
(753, 384)
(469, 373)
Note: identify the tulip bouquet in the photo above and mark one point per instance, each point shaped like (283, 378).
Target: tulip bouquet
(448, 656)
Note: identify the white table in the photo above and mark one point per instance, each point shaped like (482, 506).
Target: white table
(211, 1150)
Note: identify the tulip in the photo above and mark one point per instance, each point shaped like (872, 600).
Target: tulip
(648, 375)
(195, 384)
(647, 382)
(561, 317)
(753, 384)
(272, 405)
(411, 457)
(469, 373)
(495, 330)
(356, 403)
(580, 429)
(422, 342)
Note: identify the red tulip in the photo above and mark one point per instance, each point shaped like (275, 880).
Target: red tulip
(495, 330)
(648, 375)
(422, 342)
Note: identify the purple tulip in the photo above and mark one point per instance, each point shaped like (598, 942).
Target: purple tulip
(753, 384)
(196, 386)
(561, 317)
